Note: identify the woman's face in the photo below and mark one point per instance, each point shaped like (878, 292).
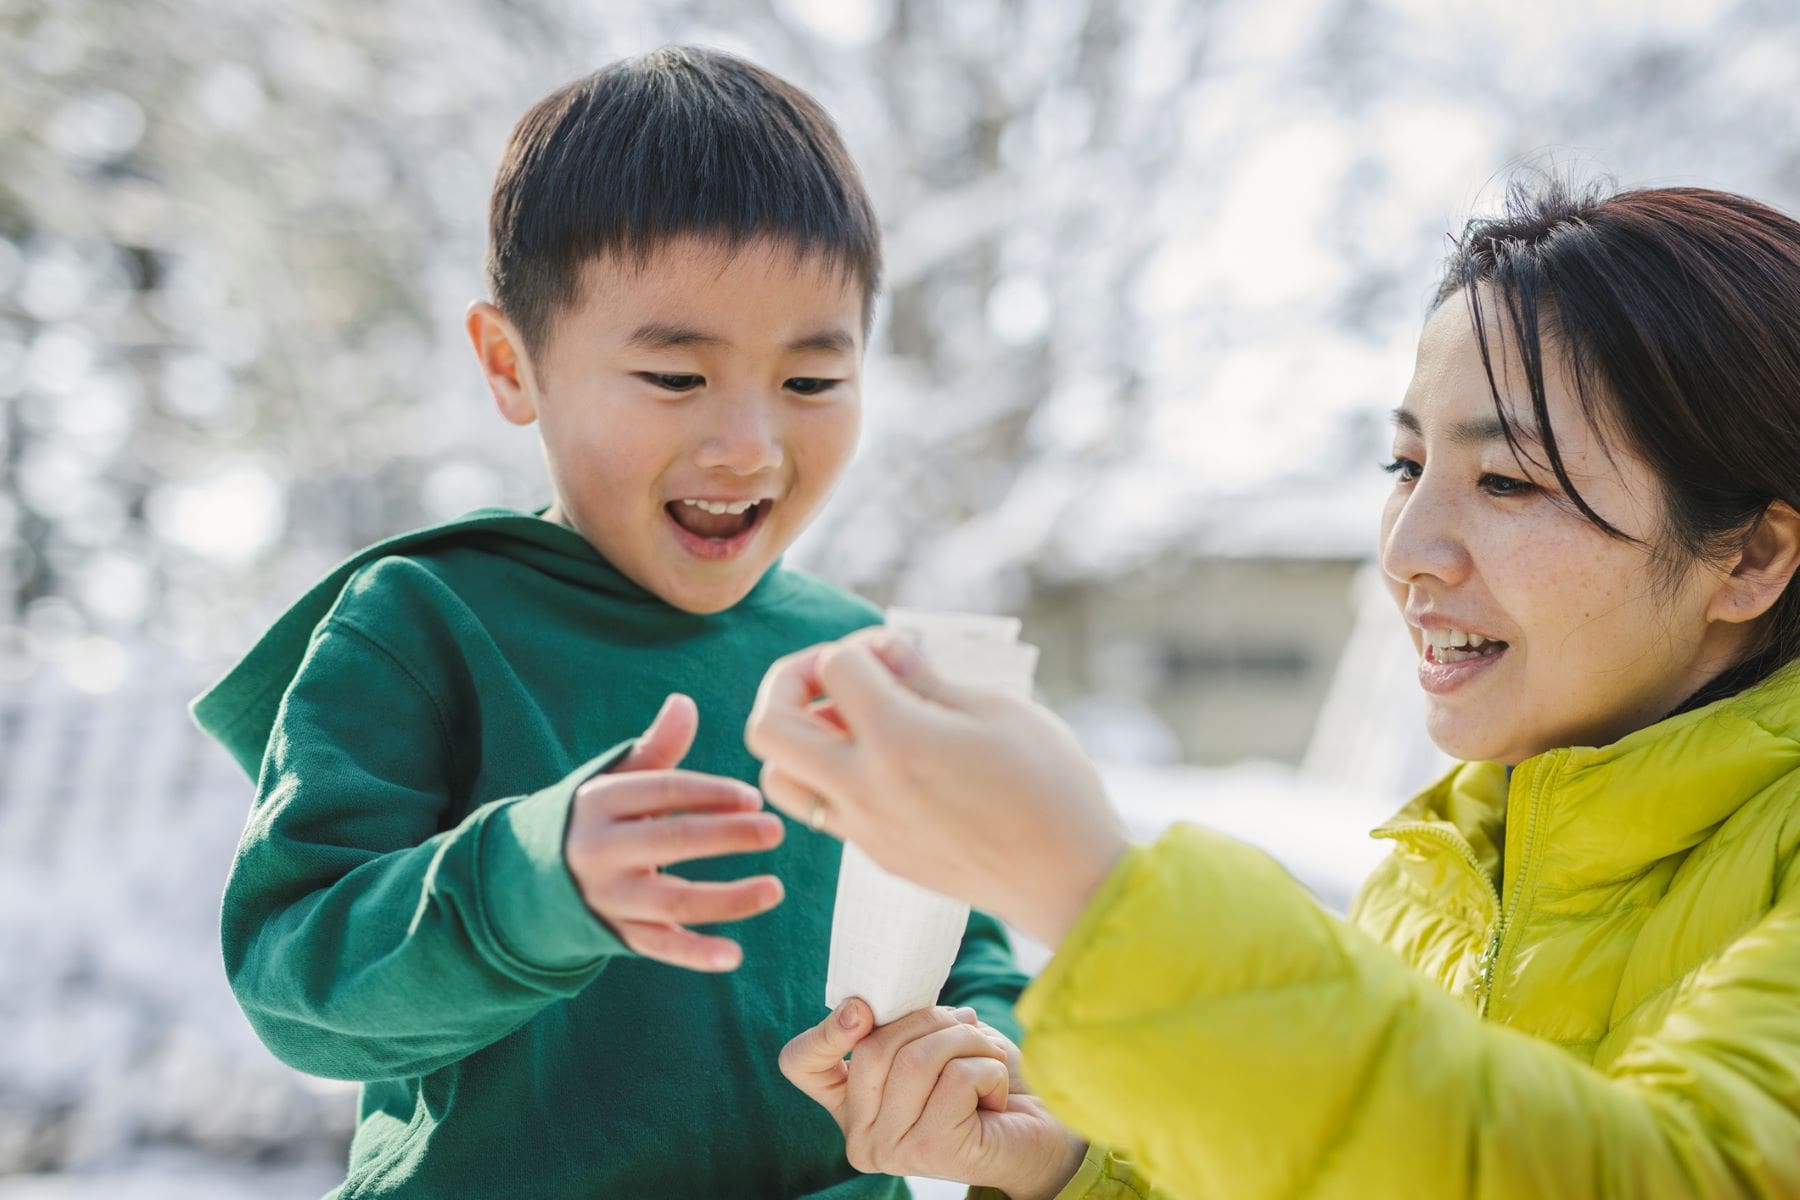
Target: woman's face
(1535, 628)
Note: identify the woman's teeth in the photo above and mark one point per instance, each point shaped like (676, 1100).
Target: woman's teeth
(1456, 645)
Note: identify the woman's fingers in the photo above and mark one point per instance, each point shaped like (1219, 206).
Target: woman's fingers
(813, 1061)
(863, 689)
(672, 900)
(793, 797)
(873, 1061)
(963, 1085)
(785, 727)
(680, 947)
(915, 1072)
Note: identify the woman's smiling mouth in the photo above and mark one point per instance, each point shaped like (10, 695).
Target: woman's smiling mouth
(1451, 658)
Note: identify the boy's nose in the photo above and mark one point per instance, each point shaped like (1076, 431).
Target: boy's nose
(744, 440)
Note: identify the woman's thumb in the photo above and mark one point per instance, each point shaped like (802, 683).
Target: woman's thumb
(814, 1060)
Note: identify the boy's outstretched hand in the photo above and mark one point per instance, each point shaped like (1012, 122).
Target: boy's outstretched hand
(642, 815)
(934, 1093)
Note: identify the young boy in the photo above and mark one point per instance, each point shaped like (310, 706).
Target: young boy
(465, 881)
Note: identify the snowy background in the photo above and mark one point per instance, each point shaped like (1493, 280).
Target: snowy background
(1156, 269)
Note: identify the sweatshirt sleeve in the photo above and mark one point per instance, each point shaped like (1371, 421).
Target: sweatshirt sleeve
(372, 931)
(984, 976)
(1230, 1037)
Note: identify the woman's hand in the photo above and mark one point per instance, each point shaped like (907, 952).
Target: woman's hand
(934, 1093)
(970, 792)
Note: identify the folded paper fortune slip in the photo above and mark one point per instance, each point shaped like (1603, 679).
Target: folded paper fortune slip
(892, 941)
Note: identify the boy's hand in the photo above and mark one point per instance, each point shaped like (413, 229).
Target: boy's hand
(934, 1093)
(643, 815)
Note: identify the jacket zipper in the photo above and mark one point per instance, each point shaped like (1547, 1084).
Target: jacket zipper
(1537, 773)
(1484, 964)
(1484, 967)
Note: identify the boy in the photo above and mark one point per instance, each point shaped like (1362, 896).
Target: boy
(464, 882)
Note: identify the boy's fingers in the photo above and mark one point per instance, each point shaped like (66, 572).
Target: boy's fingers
(669, 899)
(813, 1061)
(669, 738)
(651, 793)
(665, 840)
(680, 947)
(916, 1071)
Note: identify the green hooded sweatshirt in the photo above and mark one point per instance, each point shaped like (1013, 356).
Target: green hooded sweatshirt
(399, 912)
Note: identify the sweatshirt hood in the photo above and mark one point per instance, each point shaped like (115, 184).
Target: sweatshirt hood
(239, 710)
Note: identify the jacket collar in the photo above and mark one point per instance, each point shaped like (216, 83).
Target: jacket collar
(1593, 815)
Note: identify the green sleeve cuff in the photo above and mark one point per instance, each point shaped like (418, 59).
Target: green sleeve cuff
(528, 896)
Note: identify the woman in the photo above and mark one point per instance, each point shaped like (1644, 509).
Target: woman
(1578, 974)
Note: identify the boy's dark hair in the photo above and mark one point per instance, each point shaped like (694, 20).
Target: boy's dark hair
(680, 141)
(1675, 310)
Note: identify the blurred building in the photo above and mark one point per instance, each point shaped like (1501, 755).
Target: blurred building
(1201, 659)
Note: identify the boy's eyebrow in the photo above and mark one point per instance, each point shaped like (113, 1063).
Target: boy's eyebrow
(657, 336)
(835, 340)
(1467, 433)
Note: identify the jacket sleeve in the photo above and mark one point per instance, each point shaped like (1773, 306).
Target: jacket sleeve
(370, 929)
(985, 977)
(1103, 1175)
(1208, 1019)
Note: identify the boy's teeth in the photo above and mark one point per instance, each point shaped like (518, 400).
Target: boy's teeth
(720, 508)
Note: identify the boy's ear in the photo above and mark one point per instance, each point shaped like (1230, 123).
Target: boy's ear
(498, 350)
(1764, 568)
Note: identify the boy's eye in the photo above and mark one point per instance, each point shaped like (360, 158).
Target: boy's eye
(1403, 469)
(673, 383)
(807, 386)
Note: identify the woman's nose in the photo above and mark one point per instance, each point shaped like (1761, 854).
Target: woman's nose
(1420, 538)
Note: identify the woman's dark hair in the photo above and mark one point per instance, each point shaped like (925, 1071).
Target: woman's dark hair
(1677, 313)
(682, 140)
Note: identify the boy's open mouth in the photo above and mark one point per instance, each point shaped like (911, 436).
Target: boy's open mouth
(705, 520)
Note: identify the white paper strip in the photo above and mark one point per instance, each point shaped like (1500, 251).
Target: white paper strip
(892, 941)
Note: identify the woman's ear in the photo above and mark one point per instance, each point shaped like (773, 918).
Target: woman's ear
(503, 362)
(1764, 567)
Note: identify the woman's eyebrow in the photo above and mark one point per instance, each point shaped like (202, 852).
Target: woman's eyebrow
(1468, 433)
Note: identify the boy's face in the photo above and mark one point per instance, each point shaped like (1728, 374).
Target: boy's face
(697, 408)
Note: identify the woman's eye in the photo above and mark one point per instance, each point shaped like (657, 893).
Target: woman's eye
(807, 386)
(1506, 485)
(672, 383)
(1403, 469)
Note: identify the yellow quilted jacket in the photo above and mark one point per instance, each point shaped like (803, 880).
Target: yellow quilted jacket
(1582, 982)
